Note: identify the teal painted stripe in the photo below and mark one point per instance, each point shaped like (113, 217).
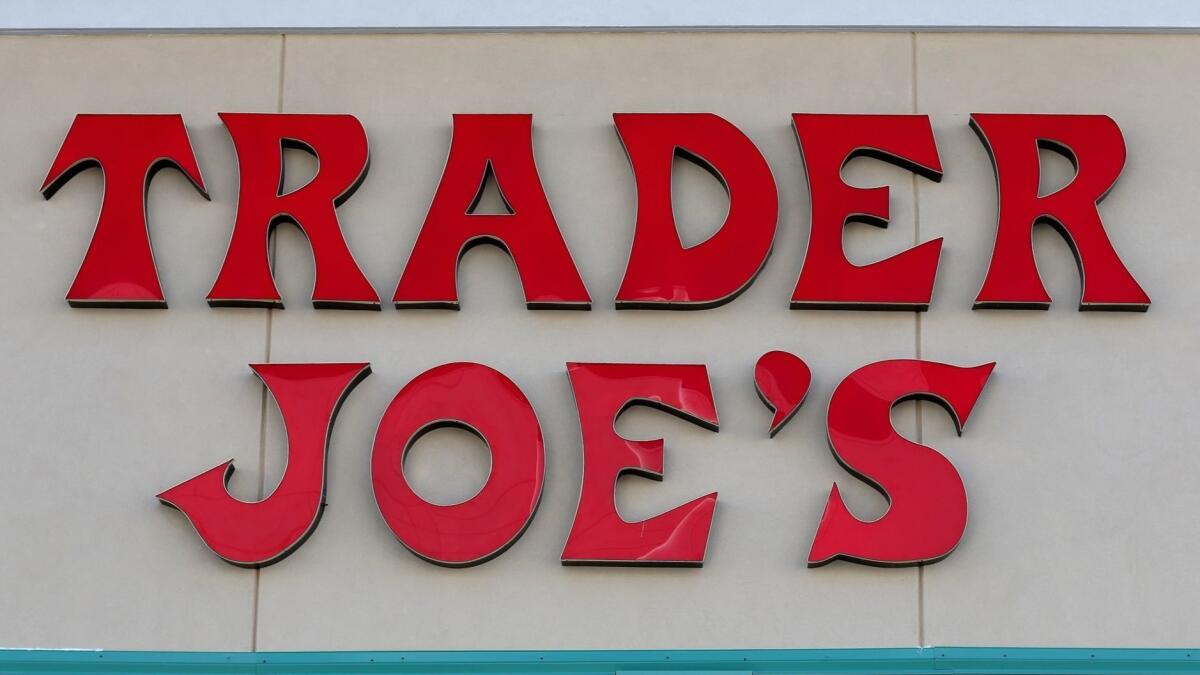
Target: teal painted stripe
(903, 661)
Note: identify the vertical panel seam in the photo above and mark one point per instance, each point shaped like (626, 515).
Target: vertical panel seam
(262, 422)
(916, 195)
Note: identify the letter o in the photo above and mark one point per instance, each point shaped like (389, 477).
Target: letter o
(483, 401)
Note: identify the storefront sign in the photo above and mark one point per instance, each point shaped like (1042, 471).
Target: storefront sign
(928, 502)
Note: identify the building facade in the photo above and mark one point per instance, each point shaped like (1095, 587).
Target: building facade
(1078, 463)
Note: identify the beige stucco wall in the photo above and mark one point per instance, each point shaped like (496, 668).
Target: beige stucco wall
(1080, 460)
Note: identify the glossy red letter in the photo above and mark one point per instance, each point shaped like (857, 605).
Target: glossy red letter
(502, 146)
(662, 274)
(927, 502)
(257, 534)
(1095, 146)
(118, 269)
(485, 402)
(828, 279)
(599, 535)
(340, 146)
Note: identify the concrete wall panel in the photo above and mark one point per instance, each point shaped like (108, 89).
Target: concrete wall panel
(103, 408)
(1077, 459)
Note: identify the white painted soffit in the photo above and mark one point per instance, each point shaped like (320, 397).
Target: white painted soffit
(259, 16)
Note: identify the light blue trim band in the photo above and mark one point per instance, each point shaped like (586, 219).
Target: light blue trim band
(473, 15)
(906, 661)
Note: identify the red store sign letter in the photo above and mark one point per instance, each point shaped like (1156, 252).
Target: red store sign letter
(828, 279)
(118, 270)
(662, 274)
(599, 535)
(500, 146)
(485, 402)
(257, 534)
(340, 146)
(1095, 146)
(927, 502)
